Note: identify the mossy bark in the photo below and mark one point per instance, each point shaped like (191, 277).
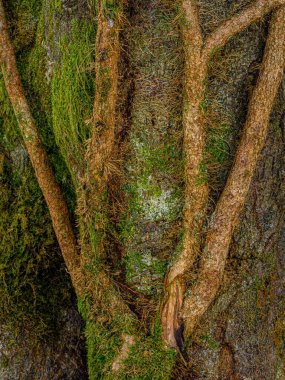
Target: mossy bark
(128, 242)
(40, 326)
(232, 199)
(37, 153)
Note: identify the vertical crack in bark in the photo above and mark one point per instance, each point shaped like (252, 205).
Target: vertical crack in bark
(43, 170)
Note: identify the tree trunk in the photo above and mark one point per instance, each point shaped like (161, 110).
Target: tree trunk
(142, 132)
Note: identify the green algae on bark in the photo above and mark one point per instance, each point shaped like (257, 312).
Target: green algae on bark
(152, 167)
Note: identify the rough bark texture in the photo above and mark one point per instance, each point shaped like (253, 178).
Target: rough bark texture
(37, 152)
(196, 189)
(241, 335)
(149, 131)
(61, 359)
(104, 114)
(196, 193)
(228, 209)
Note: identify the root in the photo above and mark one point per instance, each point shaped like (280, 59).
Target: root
(93, 194)
(197, 55)
(195, 192)
(234, 195)
(102, 142)
(238, 23)
(43, 170)
(93, 200)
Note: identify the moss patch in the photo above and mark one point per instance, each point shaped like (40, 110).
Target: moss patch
(153, 165)
(73, 94)
(29, 257)
(29, 254)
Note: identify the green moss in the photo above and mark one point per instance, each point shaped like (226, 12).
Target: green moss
(210, 342)
(217, 144)
(163, 158)
(102, 342)
(23, 17)
(104, 328)
(29, 258)
(33, 69)
(112, 8)
(204, 105)
(73, 94)
(202, 177)
(149, 359)
(29, 254)
(143, 268)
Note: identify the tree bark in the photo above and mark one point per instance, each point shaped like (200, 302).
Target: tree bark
(234, 195)
(196, 189)
(196, 194)
(123, 341)
(52, 193)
